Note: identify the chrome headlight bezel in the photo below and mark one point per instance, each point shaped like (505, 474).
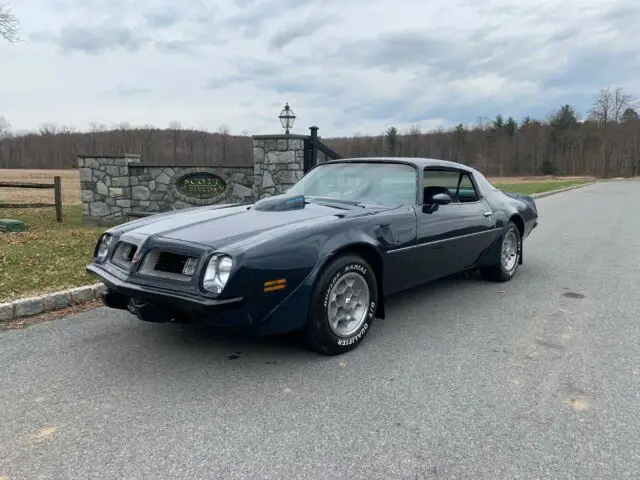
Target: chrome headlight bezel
(103, 246)
(217, 273)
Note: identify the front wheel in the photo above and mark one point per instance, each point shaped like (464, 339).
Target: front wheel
(343, 306)
(510, 251)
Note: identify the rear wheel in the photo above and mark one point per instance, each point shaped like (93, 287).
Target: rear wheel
(510, 251)
(343, 306)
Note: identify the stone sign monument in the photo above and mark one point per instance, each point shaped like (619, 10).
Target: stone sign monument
(117, 188)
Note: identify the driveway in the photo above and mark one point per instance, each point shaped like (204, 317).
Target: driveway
(535, 378)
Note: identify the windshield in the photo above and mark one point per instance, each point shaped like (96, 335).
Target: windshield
(388, 184)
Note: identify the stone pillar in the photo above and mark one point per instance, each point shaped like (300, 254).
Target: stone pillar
(278, 163)
(105, 187)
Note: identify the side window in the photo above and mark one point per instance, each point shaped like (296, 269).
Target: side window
(466, 191)
(440, 181)
(458, 185)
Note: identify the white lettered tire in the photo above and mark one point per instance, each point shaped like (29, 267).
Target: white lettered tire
(510, 252)
(343, 306)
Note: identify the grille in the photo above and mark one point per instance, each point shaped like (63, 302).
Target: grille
(170, 262)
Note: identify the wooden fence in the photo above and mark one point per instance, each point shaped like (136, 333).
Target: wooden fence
(57, 194)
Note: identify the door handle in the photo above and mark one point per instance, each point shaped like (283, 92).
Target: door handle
(488, 214)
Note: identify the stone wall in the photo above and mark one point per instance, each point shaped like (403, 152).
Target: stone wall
(278, 163)
(104, 187)
(153, 188)
(115, 187)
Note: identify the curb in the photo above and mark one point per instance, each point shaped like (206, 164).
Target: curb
(27, 307)
(566, 189)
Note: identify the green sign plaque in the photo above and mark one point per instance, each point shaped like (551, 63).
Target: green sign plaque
(200, 185)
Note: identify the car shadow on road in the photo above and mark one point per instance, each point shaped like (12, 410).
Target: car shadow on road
(233, 346)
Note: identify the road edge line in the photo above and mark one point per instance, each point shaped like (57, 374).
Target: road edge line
(566, 189)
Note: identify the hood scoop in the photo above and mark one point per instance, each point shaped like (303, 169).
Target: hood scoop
(280, 203)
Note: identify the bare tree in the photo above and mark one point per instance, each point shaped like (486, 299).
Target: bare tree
(8, 24)
(175, 128)
(48, 128)
(609, 105)
(223, 130)
(607, 110)
(190, 139)
(5, 133)
(5, 127)
(204, 144)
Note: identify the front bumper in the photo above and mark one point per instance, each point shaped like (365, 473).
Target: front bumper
(229, 311)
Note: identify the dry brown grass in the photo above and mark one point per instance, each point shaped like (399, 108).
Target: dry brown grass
(70, 186)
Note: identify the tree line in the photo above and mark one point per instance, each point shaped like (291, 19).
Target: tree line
(606, 143)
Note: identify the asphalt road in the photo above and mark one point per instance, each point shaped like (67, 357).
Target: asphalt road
(536, 378)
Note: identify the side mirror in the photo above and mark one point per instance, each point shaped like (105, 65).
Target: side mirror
(441, 199)
(431, 204)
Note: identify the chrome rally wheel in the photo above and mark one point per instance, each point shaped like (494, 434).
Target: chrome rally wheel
(343, 305)
(510, 250)
(348, 304)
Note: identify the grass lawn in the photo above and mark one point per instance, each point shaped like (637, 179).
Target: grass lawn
(47, 257)
(530, 188)
(51, 256)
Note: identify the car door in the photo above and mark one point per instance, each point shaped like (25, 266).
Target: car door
(451, 237)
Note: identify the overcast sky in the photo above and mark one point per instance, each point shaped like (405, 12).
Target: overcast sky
(348, 66)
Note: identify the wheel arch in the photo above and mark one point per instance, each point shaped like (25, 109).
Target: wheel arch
(519, 223)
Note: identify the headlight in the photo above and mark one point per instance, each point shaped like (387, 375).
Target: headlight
(103, 247)
(217, 273)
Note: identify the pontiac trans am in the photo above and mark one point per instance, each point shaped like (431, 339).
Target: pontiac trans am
(321, 258)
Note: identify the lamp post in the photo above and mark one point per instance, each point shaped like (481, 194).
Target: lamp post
(287, 117)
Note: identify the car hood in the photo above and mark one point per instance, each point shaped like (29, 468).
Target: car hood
(218, 227)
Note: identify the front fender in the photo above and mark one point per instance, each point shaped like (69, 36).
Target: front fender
(300, 259)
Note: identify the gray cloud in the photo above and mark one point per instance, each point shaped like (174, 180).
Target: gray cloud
(109, 36)
(248, 70)
(391, 51)
(163, 18)
(253, 16)
(450, 57)
(175, 46)
(578, 71)
(98, 40)
(623, 15)
(296, 31)
(244, 3)
(132, 91)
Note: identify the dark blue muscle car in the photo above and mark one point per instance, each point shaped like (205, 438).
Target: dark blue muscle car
(321, 258)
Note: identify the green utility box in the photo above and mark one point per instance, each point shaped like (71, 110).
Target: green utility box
(7, 225)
